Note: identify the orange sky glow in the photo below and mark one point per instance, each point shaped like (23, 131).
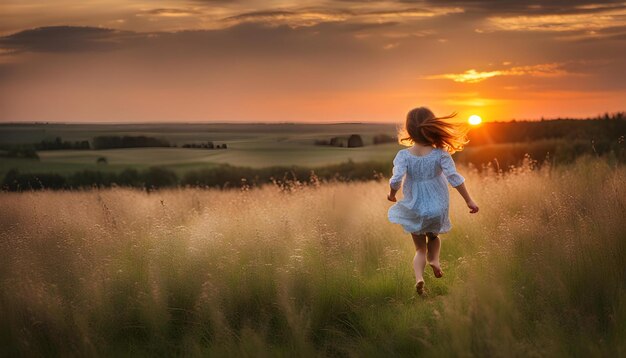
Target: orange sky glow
(309, 61)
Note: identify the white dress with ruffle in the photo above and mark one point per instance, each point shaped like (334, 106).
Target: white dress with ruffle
(426, 200)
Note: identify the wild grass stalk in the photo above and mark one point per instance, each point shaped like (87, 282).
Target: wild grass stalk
(317, 271)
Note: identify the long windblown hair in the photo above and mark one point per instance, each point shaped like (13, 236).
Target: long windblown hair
(424, 128)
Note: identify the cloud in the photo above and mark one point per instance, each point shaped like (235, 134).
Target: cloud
(569, 19)
(313, 16)
(579, 19)
(64, 39)
(473, 76)
(415, 12)
(511, 7)
(251, 38)
(290, 18)
(169, 12)
(614, 17)
(469, 76)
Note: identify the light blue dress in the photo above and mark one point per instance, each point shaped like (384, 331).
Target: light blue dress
(425, 202)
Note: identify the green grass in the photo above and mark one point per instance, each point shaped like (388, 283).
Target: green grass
(265, 145)
(318, 271)
(180, 133)
(255, 154)
(249, 145)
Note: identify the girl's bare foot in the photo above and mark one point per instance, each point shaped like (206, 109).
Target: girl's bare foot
(419, 287)
(436, 269)
(434, 246)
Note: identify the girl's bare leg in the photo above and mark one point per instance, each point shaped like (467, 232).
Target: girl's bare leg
(434, 247)
(419, 261)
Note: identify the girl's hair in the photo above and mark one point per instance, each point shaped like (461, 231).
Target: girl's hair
(422, 127)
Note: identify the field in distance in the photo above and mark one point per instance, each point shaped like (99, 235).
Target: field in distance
(249, 145)
(288, 144)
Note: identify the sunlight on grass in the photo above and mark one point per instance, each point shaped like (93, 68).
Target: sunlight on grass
(317, 271)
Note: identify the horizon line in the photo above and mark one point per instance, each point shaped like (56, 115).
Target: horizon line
(598, 116)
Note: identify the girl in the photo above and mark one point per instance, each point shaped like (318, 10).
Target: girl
(423, 210)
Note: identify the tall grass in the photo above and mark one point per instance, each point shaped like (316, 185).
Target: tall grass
(317, 271)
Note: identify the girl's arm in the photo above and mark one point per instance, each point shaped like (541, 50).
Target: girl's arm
(456, 180)
(392, 194)
(399, 169)
(470, 203)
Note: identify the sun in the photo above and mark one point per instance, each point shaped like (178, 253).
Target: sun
(474, 120)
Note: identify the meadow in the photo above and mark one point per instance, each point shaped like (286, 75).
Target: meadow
(317, 270)
(249, 145)
(260, 146)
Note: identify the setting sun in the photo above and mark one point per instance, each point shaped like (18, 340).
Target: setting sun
(474, 120)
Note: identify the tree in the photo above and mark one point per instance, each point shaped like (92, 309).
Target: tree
(156, 177)
(383, 138)
(354, 141)
(129, 177)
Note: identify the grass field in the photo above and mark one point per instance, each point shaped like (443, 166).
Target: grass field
(317, 271)
(182, 160)
(266, 145)
(249, 145)
(180, 133)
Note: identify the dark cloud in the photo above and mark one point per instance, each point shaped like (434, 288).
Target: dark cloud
(65, 39)
(329, 11)
(531, 7)
(245, 37)
(506, 6)
(320, 14)
(249, 40)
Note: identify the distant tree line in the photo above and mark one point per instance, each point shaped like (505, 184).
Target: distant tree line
(30, 150)
(114, 142)
(100, 142)
(227, 176)
(556, 151)
(207, 145)
(60, 144)
(155, 177)
(351, 141)
(220, 176)
(18, 151)
(608, 127)
(384, 138)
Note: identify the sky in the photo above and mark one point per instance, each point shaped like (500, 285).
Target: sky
(309, 61)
